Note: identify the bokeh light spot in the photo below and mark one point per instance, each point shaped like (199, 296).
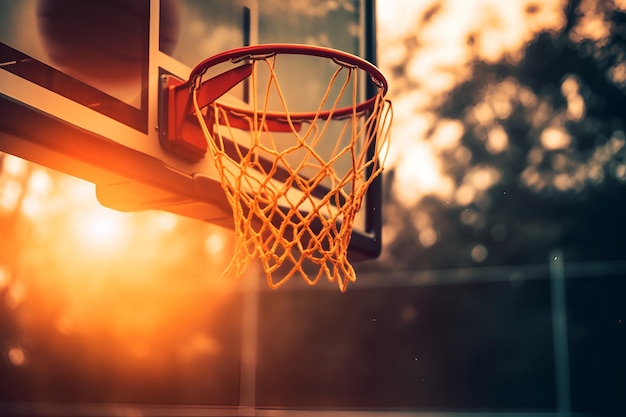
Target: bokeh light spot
(17, 356)
(553, 138)
(214, 244)
(479, 253)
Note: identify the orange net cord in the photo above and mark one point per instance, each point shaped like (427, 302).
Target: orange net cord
(279, 215)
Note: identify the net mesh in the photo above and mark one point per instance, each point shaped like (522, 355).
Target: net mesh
(295, 197)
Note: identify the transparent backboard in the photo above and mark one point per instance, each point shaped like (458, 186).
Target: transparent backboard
(80, 90)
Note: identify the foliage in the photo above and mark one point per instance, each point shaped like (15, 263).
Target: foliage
(540, 161)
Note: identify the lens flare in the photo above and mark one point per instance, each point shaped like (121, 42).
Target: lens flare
(100, 228)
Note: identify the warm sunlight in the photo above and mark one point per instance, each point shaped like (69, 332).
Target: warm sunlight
(138, 277)
(99, 228)
(451, 35)
(419, 173)
(489, 255)
(555, 138)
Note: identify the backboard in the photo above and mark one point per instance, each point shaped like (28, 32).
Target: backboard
(80, 90)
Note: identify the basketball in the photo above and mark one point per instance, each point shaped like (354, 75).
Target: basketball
(112, 41)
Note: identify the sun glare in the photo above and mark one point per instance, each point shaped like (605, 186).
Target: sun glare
(419, 174)
(100, 228)
(13, 166)
(136, 277)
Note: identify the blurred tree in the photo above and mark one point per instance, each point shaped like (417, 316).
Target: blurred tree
(541, 160)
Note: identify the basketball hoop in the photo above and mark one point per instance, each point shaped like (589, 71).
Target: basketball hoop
(293, 205)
